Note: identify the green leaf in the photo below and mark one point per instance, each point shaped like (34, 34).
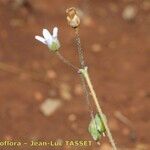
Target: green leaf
(100, 124)
(96, 127)
(93, 130)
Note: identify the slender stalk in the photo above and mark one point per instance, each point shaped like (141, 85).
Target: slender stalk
(79, 48)
(67, 62)
(89, 83)
(82, 65)
(84, 71)
(86, 93)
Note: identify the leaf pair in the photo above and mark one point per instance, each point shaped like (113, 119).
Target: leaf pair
(96, 127)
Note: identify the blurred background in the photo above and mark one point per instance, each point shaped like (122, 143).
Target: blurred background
(41, 98)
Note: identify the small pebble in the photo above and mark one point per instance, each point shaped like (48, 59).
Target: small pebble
(51, 74)
(74, 126)
(49, 106)
(78, 89)
(72, 117)
(125, 131)
(96, 47)
(65, 92)
(129, 13)
(38, 96)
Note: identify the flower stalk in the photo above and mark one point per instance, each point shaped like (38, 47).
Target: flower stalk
(67, 62)
(74, 21)
(53, 44)
(85, 73)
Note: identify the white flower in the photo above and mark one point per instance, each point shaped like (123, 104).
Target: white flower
(50, 40)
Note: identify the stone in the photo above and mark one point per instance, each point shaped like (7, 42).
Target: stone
(38, 96)
(78, 90)
(74, 126)
(72, 117)
(96, 47)
(125, 131)
(129, 13)
(50, 74)
(65, 92)
(49, 106)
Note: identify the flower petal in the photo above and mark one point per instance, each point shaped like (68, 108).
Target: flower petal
(41, 39)
(55, 32)
(47, 34)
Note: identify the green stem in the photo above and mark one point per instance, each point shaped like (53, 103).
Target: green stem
(89, 83)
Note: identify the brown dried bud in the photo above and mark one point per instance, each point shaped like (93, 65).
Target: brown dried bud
(72, 17)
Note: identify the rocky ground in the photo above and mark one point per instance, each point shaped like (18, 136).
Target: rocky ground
(115, 39)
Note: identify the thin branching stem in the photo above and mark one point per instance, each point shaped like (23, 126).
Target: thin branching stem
(64, 60)
(79, 47)
(85, 74)
(82, 64)
(86, 93)
(89, 83)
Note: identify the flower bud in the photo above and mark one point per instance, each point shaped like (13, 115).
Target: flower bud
(50, 40)
(72, 17)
